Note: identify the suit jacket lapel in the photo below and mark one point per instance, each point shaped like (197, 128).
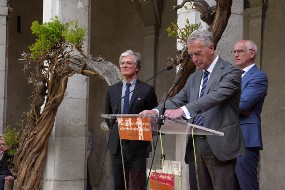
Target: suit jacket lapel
(118, 95)
(216, 72)
(196, 85)
(135, 92)
(246, 77)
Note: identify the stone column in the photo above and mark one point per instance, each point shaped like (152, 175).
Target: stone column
(253, 28)
(3, 61)
(233, 32)
(66, 163)
(148, 58)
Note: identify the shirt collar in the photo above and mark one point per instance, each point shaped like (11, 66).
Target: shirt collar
(211, 67)
(248, 68)
(133, 82)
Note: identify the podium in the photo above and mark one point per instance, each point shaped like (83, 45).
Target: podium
(133, 126)
(168, 175)
(170, 126)
(181, 126)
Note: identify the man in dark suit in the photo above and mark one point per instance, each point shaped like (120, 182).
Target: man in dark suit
(134, 152)
(253, 92)
(210, 98)
(5, 165)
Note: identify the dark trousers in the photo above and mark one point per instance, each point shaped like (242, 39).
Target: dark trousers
(247, 170)
(213, 174)
(135, 169)
(192, 176)
(88, 185)
(2, 181)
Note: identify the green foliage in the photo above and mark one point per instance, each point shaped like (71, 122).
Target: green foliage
(51, 34)
(73, 34)
(182, 33)
(11, 139)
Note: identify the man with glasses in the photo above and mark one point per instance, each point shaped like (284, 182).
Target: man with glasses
(129, 96)
(210, 98)
(253, 92)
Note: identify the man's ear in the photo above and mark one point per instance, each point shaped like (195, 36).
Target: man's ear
(252, 54)
(212, 48)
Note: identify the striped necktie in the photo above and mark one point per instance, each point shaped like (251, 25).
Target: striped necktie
(198, 119)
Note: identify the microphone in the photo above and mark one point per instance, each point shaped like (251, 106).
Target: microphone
(165, 69)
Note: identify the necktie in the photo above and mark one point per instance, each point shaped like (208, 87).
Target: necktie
(198, 119)
(127, 99)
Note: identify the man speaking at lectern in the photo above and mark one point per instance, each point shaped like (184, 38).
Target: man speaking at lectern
(210, 98)
(130, 96)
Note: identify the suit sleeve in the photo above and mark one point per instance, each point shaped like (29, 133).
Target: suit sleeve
(151, 99)
(108, 107)
(179, 100)
(255, 91)
(227, 86)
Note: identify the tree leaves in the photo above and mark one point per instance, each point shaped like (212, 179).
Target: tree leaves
(51, 34)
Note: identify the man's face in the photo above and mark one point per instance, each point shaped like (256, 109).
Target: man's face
(243, 55)
(128, 67)
(202, 55)
(3, 145)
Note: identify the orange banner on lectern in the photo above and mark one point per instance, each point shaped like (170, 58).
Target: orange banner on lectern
(161, 181)
(135, 128)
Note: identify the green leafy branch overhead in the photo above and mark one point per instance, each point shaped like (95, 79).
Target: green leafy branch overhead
(51, 34)
(182, 34)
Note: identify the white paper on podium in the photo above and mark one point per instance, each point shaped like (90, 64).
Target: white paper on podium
(181, 126)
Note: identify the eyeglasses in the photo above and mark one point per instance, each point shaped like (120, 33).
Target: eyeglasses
(240, 51)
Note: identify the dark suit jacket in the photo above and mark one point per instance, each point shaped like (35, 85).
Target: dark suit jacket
(219, 107)
(143, 98)
(254, 90)
(5, 164)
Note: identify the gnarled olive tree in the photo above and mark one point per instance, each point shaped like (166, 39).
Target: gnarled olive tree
(55, 56)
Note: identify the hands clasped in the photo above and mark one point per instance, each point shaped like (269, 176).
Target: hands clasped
(173, 114)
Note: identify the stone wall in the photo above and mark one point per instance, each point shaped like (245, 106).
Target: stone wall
(272, 156)
(3, 62)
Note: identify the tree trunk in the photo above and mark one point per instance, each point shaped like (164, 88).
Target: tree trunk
(31, 155)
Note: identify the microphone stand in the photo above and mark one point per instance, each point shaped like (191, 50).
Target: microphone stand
(160, 121)
(113, 119)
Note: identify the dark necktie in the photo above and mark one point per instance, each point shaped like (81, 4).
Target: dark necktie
(198, 119)
(127, 99)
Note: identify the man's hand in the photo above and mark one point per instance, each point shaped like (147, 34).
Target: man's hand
(244, 113)
(173, 114)
(149, 112)
(9, 179)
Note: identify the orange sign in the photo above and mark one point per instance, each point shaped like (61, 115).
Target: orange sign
(135, 128)
(161, 181)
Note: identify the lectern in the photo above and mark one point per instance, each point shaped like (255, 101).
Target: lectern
(141, 127)
(170, 126)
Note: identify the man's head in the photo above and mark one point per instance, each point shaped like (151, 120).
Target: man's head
(245, 53)
(3, 145)
(201, 48)
(130, 63)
